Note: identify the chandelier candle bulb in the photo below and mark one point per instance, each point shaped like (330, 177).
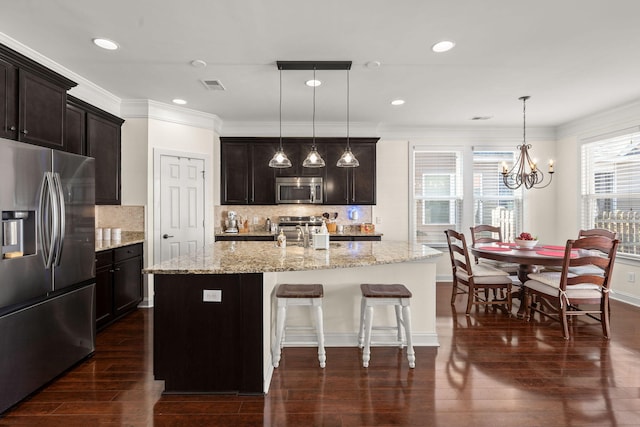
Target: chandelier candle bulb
(550, 166)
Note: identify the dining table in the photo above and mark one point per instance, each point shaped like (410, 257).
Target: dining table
(530, 260)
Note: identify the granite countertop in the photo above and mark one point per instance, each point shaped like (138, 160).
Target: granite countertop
(128, 238)
(268, 233)
(230, 257)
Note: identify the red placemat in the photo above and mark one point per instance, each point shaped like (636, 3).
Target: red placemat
(493, 248)
(556, 248)
(558, 254)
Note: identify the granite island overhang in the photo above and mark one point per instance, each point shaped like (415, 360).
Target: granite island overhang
(214, 312)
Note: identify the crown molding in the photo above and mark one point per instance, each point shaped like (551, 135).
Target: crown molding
(85, 90)
(602, 123)
(149, 109)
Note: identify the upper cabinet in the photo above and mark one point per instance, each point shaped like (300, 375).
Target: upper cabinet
(32, 101)
(93, 132)
(351, 186)
(296, 150)
(246, 177)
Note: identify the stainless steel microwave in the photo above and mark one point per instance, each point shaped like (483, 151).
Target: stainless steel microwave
(304, 189)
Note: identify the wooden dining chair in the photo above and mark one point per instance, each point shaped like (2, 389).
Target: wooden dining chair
(485, 233)
(568, 293)
(471, 278)
(597, 232)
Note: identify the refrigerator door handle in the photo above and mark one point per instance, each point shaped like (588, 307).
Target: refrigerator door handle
(60, 230)
(47, 220)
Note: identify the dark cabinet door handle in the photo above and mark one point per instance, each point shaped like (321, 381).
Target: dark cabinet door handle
(12, 128)
(24, 131)
(166, 236)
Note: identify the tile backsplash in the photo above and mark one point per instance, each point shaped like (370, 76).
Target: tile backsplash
(257, 215)
(128, 218)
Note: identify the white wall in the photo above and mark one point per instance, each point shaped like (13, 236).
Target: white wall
(392, 184)
(149, 126)
(135, 169)
(570, 137)
(393, 157)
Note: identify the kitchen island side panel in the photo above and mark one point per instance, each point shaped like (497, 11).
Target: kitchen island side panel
(208, 346)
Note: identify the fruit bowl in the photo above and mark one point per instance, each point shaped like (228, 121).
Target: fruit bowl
(528, 244)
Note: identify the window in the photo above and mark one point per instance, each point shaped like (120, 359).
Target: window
(437, 194)
(611, 188)
(493, 202)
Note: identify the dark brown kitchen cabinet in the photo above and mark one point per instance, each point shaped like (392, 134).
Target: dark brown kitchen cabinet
(351, 186)
(8, 100)
(75, 129)
(33, 101)
(103, 143)
(118, 283)
(297, 150)
(93, 132)
(246, 178)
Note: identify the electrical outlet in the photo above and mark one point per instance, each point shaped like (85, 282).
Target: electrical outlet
(212, 295)
(631, 277)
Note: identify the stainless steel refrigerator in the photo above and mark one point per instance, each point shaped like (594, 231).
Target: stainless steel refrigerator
(47, 266)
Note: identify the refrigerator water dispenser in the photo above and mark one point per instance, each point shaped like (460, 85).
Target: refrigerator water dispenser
(13, 234)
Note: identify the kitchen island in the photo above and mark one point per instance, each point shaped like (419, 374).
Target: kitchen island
(214, 310)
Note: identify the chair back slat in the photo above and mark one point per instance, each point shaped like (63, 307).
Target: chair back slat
(601, 252)
(485, 233)
(458, 252)
(597, 232)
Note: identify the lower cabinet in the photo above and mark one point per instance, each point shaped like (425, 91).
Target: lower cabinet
(118, 283)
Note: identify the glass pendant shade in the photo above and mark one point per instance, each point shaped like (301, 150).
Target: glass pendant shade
(347, 160)
(280, 160)
(313, 160)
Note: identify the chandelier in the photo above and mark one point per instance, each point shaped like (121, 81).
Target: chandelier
(525, 170)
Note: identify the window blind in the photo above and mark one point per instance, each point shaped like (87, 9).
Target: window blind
(494, 203)
(437, 194)
(610, 188)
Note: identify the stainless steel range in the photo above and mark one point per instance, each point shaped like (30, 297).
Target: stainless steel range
(294, 226)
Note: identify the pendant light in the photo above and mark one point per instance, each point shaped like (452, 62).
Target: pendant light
(347, 160)
(280, 159)
(313, 159)
(525, 170)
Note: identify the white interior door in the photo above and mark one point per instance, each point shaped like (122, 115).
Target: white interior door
(182, 228)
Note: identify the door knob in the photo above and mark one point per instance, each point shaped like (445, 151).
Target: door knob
(166, 236)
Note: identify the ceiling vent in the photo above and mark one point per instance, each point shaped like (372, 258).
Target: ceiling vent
(213, 84)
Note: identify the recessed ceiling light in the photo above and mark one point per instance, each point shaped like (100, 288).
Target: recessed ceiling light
(443, 46)
(179, 101)
(198, 63)
(373, 64)
(481, 117)
(397, 102)
(313, 83)
(106, 43)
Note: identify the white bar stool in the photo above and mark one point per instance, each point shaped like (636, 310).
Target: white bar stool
(398, 296)
(301, 295)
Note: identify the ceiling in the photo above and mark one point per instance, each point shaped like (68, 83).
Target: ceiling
(573, 57)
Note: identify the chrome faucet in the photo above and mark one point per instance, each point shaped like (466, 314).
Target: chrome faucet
(304, 233)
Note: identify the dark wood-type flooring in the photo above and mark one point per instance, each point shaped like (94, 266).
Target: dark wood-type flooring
(490, 370)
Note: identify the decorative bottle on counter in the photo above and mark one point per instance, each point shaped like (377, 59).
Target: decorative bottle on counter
(281, 242)
(268, 225)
